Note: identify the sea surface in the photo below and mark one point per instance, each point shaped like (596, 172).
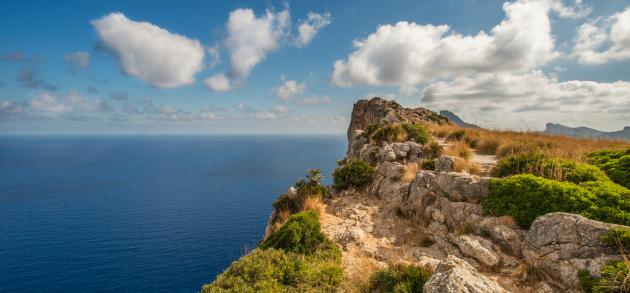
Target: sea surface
(141, 213)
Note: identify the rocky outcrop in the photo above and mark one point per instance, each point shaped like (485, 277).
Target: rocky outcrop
(456, 275)
(379, 111)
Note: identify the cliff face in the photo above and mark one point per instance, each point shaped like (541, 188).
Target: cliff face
(434, 218)
(379, 111)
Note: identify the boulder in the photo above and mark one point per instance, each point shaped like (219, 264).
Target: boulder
(387, 152)
(478, 248)
(391, 170)
(456, 275)
(444, 164)
(400, 149)
(463, 187)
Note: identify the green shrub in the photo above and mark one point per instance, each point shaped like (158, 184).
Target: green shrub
(488, 146)
(612, 202)
(417, 133)
(616, 164)
(428, 164)
(526, 197)
(388, 133)
(399, 278)
(309, 187)
(614, 278)
(432, 150)
(274, 270)
(301, 234)
(551, 168)
(352, 173)
(587, 281)
(617, 235)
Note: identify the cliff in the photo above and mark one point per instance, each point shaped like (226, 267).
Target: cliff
(419, 209)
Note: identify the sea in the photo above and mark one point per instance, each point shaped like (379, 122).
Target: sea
(141, 213)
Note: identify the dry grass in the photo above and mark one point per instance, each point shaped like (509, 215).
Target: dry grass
(505, 143)
(357, 278)
(314, 203)
(459, 149)
(409, 172)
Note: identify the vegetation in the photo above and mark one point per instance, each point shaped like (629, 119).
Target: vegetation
(397, 132)
(296, 258)
(432, 150)
(399, 278)
(526, 197)
(417, 133)
(459, 149)
(587, 281)
(617, 236)
(301, 234)
(352, 173)
(306, 190)
(552, 168)
(428, 164)
(616, 164)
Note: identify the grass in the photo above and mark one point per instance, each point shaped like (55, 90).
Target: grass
(400, 278)
(552, 168)
(308, 191)
(526, 197)
(459, 149)
(352, 173)
(397, 132)
(617, 235)
(296, 258)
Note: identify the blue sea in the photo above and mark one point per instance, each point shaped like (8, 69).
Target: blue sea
(141, 213)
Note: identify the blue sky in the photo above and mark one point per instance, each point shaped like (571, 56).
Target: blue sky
(297, 67)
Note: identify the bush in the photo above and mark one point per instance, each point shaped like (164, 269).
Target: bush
(432, 150)
(417, 133)
(428, 164)
(456, 135)
(273, 270)
(617, 235)
(305, 188)
(352, 173)
(614, 278)
(526, 197)
(488, 146)
(616, 164)
(551, 168)
(301, 234)
(459, 149)
(399, 278)
(389, 133)
(587, 281)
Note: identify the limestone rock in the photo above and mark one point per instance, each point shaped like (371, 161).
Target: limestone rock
(400, 149)
(387, 152)
(456, 275)
(479, 249)
(444, 164)
(391, 170)
(463, 187)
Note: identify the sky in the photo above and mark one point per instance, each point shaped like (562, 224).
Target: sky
(297, 67)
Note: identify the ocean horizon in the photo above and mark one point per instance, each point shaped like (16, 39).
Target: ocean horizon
(139, 213)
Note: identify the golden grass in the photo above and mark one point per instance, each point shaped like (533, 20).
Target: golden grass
(314, 203)
(458, 149)
(504, 143)
(357, 278)
(409, 172)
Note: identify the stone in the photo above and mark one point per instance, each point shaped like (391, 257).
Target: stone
(400, 149)
(387, 152)
(456, 275)
(463, 187)
(391, 170)
(444, 164)
(350, 235)
(478, 248)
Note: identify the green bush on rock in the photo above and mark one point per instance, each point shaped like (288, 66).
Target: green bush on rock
(309, 187)
(399, 278)
(526, 197)
(301, 234)
(417, 133)
(352, 173)
(616, 164)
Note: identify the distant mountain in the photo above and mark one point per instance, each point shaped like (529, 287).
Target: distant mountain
(455, 119)
(582, 131)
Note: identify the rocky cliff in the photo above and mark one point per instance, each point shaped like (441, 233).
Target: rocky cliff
(435, 219)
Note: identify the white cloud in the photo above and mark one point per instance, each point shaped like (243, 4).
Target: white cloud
(604, 39)
(288, 90)
(77, 60)
(531, 99)
(8, 108)
(265, 116)
(250, 38)
(315, 100)
(407, 54)
(215, 56)
(308, 29)
(218, 83)
(151, 53)
(281, 109)
(72, 102)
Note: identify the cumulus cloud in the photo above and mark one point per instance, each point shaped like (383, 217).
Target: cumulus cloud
(250, 38)
(530, 100)
(72, 102)
(77, 60)
(288, 90)
(281, 109)
(604, 39)
(215, 56)
(8, 109)
(308, 29)
(315, 100)
(218, 83)
(151, 53)
(407, 53)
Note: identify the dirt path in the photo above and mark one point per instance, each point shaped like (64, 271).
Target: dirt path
(486, 162)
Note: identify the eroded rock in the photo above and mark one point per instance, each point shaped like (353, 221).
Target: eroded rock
(456, 275)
